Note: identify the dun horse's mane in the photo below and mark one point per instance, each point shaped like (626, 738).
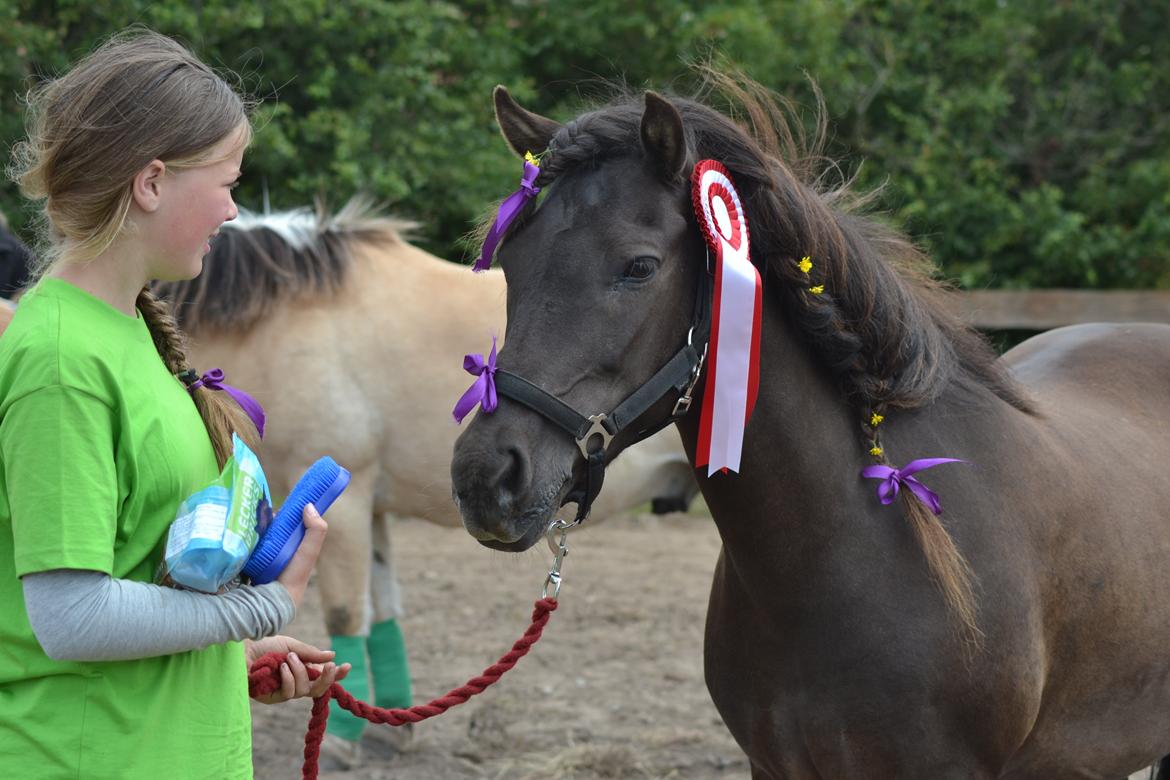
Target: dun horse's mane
(882, 326)
(260, 261)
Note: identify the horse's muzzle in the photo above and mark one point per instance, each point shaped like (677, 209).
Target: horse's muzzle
(492, 488)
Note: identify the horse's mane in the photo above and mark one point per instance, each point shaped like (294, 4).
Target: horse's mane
(259, 261)
(883, 324)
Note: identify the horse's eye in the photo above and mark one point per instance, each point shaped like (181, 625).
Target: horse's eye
(642, 268)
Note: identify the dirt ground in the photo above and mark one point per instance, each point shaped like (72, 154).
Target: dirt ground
(614, 689)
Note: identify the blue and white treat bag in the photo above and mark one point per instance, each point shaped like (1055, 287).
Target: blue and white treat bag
(215, 529)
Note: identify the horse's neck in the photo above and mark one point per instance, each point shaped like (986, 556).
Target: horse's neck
(802, 450)
(799, 510)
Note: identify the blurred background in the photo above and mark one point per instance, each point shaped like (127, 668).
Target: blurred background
(1025, 143)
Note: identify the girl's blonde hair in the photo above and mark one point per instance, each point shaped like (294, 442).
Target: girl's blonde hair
(138, 97)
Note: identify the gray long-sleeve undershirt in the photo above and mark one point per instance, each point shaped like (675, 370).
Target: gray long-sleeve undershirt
(81, 615)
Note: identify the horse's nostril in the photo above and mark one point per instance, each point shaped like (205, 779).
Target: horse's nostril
(515, 472)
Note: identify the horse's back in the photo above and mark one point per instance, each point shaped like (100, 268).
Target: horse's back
(1102, 389)
(1101, 393)
(1107, 360)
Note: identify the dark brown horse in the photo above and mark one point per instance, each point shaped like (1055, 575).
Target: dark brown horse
(1024, 633)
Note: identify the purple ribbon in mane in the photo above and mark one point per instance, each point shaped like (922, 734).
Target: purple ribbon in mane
(508, 211)
(893, 479)
(483, 390)
(213, 380)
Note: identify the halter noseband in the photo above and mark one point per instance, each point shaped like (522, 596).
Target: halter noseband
(594, 433)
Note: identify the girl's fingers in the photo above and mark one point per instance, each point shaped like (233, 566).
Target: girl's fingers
(322, 683)
(300, 675)
(295, 682)
(288, 685)
(295, 576)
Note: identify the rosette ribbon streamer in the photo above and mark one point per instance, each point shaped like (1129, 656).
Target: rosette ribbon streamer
(483, 390)
(508, 211)
(894, 479)
(213, 380)
(733, 365)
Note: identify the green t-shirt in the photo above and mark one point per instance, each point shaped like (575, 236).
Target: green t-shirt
(99, 444)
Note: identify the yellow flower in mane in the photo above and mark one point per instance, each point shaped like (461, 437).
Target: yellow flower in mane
(805, 264)
(528, 157)
(875, 420)
(820, 288)
(875, 450)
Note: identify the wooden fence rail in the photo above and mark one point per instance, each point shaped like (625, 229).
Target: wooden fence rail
(1044, 309)
(1030, 309)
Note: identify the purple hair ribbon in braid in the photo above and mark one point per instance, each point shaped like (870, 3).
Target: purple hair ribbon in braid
(893, 479)
(508, 211)
(213, 380)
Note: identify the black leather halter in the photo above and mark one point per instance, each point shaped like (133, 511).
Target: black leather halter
(595, 432)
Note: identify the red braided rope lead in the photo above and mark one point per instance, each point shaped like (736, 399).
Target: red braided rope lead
(264, 678)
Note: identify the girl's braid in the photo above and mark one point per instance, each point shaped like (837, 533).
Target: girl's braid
(221, 414)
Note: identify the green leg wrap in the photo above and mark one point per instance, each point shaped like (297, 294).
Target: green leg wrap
(351, 650)
(388, 663)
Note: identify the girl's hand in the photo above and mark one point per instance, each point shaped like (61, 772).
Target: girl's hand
(295, 577)
(294, 673)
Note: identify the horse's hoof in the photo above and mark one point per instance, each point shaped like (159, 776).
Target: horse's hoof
(339, 754)
(665, 505)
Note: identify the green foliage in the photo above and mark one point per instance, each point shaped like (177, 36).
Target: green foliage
(386, 98)
(1026, 143)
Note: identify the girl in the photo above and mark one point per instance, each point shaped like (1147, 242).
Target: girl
(103, 674)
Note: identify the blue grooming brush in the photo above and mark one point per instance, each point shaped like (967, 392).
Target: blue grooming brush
(319, 486)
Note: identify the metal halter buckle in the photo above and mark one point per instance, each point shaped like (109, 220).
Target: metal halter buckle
(683, 405)
(595, 429)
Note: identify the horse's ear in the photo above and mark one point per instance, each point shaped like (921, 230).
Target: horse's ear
(662, 135)
(523, 130)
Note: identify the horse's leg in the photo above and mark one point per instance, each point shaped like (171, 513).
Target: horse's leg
(343, 575)
(386, 646)
(760, 774)
(387, 649)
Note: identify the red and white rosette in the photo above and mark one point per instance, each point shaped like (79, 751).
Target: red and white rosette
(733, 361)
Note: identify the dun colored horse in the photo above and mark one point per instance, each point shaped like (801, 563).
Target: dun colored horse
(351, 339)
(1022, 633)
